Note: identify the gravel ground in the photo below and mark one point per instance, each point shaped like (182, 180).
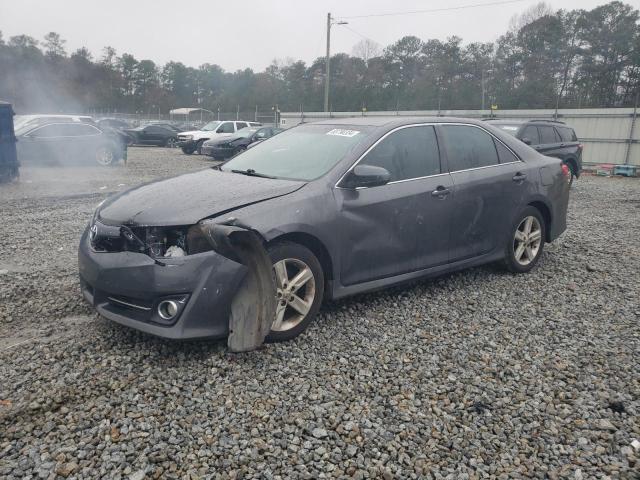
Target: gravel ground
(480, 374)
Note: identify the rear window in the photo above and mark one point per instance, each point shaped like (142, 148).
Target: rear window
(510, 129)
(548, 135)
(567, 134)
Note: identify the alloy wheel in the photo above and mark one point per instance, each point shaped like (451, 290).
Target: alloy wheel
(171, 143)
(104, 156)
(295, 293)
(527, 240)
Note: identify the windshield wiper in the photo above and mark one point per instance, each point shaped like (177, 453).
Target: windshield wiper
(252, 173)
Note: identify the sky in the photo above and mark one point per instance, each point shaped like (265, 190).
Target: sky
(238, 34)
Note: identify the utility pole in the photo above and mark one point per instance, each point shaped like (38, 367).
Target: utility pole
(327, 60)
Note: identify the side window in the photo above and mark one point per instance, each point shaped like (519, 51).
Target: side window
(407, 153)
(48, 131)
(504, 154)
(469, 147)
(226, 127)
(531, 132)
(547, 135)
(240, 125)
(78, 130)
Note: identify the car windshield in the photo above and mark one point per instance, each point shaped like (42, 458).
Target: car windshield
(509, 128)
(305, 152)
(210, 126)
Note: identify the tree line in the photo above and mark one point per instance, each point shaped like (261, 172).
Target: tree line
(546, 59)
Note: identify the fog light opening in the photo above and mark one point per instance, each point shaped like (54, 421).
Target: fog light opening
(167, 309)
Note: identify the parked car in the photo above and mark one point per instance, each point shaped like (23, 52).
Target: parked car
(21, 121)
(230, 146)
(341, 206)
(114, 123)
(153, 135)
(191, 142)
(549, 137)
(69, 143)
(167, 125)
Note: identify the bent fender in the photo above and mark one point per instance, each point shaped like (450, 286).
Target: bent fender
(254, 305)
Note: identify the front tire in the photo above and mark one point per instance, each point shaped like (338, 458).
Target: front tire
(525, 243)
(187, 151)
(299, 289)
(171, 143)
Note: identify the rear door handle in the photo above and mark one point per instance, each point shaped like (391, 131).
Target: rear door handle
(440, 192)
(519, 177)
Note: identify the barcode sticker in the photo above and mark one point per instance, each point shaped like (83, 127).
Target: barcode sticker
(343, 133)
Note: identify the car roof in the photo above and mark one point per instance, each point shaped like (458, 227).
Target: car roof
(393, 121)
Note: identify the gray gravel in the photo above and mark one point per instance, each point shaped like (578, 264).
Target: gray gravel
(480, 374)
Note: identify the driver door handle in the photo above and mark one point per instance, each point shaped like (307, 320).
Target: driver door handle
(440, 192)
(519, 177)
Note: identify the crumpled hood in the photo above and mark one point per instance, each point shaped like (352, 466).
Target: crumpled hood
(188, 198)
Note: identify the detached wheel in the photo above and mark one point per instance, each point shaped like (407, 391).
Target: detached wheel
(526, 241)
(299, 289)
(104, 156)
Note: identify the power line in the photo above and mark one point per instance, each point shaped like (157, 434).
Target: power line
(434, 10)
(361, 35)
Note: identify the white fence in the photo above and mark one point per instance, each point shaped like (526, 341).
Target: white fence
(609, 135)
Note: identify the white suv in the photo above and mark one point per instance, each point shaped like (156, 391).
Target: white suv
(192, 141)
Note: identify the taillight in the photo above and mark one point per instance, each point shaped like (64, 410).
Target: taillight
(580, 146)
(565, 171)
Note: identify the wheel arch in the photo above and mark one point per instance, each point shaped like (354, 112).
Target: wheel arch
(545, 211)
(317, 248)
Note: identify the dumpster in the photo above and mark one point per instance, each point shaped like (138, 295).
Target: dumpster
(8, 157)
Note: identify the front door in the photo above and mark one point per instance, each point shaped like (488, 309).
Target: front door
(402, 226)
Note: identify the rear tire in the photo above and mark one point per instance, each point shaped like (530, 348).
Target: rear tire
(525, 243)
(289, 260)
(104, 156)
(572, 173)
(188, 151)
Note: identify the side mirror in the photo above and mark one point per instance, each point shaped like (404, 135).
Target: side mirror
(526, 140)
(367, 176)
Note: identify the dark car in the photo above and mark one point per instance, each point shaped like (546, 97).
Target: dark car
(341, 207)
(153, 135)
(167, 125)
(69, 143)
(230, 146)
(549, 137)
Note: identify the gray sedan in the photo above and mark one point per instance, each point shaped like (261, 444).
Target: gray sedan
(339, 206)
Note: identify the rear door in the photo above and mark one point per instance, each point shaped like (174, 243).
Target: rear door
(82, 141)
(484, 201)
(402, 226)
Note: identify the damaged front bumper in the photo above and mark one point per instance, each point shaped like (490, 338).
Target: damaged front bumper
(127, 287)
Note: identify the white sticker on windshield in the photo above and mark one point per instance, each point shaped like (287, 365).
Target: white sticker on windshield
(343, 133)
(509, 127)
